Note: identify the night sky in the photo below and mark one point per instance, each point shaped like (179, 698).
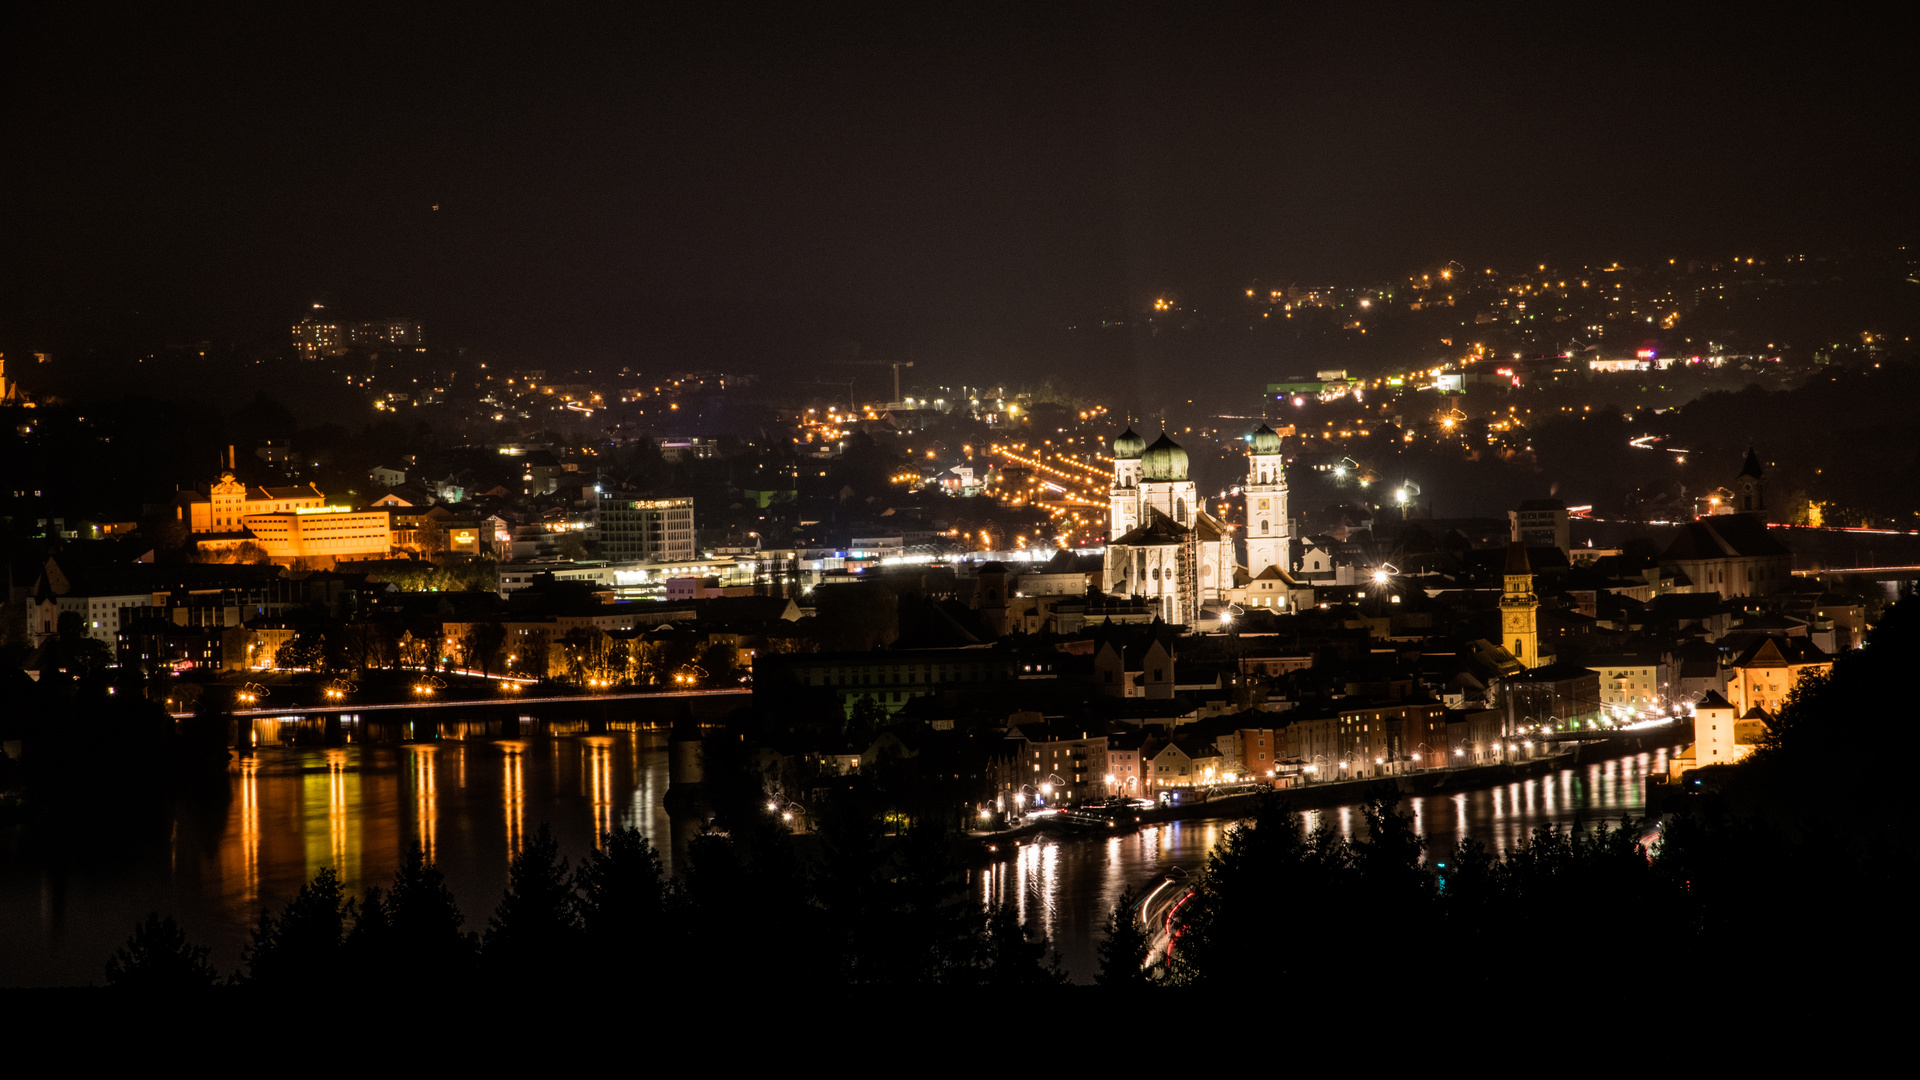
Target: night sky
(614, 185)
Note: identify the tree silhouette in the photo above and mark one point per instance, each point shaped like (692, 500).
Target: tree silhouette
(202, 739)
(928, 917)
(1261, 860)
(158, 957)
(412, 932)
(1123, 951)
(484, 642)
(864, 720)
(1010, 958)
(76, 651)
(851, 878)
(622, 892)
(535, 932)
(301, 947)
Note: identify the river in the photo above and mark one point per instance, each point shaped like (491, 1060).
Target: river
(68, 898)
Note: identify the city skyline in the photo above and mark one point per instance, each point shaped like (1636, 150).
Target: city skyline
(976, 496)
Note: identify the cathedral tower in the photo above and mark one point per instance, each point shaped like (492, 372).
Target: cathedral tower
(1163, 482)
(1268, 534)
(1125, 494)
(1520, 608)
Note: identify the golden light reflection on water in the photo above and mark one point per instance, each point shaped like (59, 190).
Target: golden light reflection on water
(250, 832)
(598, 750)
(274, 836)
(426, 797)
(1506, 816)
(515, 794)
(326, 820)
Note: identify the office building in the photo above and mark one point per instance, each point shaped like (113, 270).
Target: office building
(644, 530)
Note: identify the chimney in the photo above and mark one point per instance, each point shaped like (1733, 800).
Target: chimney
(230, 464)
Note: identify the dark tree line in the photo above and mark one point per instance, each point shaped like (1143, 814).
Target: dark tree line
(1807, 844)
(1793, 862)
(1279, 901)
(744, 908)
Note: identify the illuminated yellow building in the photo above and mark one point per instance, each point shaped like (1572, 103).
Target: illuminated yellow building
(1767, 670)
(323, 534)
(231, 501)
(1520, 608)
(1721, 736)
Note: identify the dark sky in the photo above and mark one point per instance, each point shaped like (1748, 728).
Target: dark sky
(616, 185)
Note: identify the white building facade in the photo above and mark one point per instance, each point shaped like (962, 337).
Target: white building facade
(1269, 536)
(1162, 546)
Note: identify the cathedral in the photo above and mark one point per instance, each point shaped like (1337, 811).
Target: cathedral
(1163, 546)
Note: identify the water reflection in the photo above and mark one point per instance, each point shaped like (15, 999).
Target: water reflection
(515, 795)
(249, 846)
(426, 798)
(1067, 888)
(599, 773)
(299, 808)
(1501, 817)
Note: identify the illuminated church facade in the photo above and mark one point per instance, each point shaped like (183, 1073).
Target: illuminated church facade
(1165, 548)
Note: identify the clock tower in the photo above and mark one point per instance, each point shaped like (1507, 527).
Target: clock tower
(1269, 542)
(1520, 608)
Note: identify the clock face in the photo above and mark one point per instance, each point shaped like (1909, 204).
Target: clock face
(1263, 504)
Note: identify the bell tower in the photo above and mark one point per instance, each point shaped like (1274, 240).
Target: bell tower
(1124, 514)
(1749, 488)
(1268, 539)
(1520, 608)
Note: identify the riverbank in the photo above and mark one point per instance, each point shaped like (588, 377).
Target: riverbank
(1324, 796)
(72, 888)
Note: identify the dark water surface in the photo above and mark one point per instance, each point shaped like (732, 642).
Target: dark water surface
(69, 896)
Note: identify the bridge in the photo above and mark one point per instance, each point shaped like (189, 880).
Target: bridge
(1869, 573)
(1668, 726)
(481, 703)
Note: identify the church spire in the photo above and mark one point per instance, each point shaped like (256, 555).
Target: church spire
(1750, 487)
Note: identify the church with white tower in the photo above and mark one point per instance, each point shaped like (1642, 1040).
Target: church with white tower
(1164, 547)
(1269, 537)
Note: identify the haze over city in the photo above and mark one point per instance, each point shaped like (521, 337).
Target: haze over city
(990, 496)
(744, 185)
